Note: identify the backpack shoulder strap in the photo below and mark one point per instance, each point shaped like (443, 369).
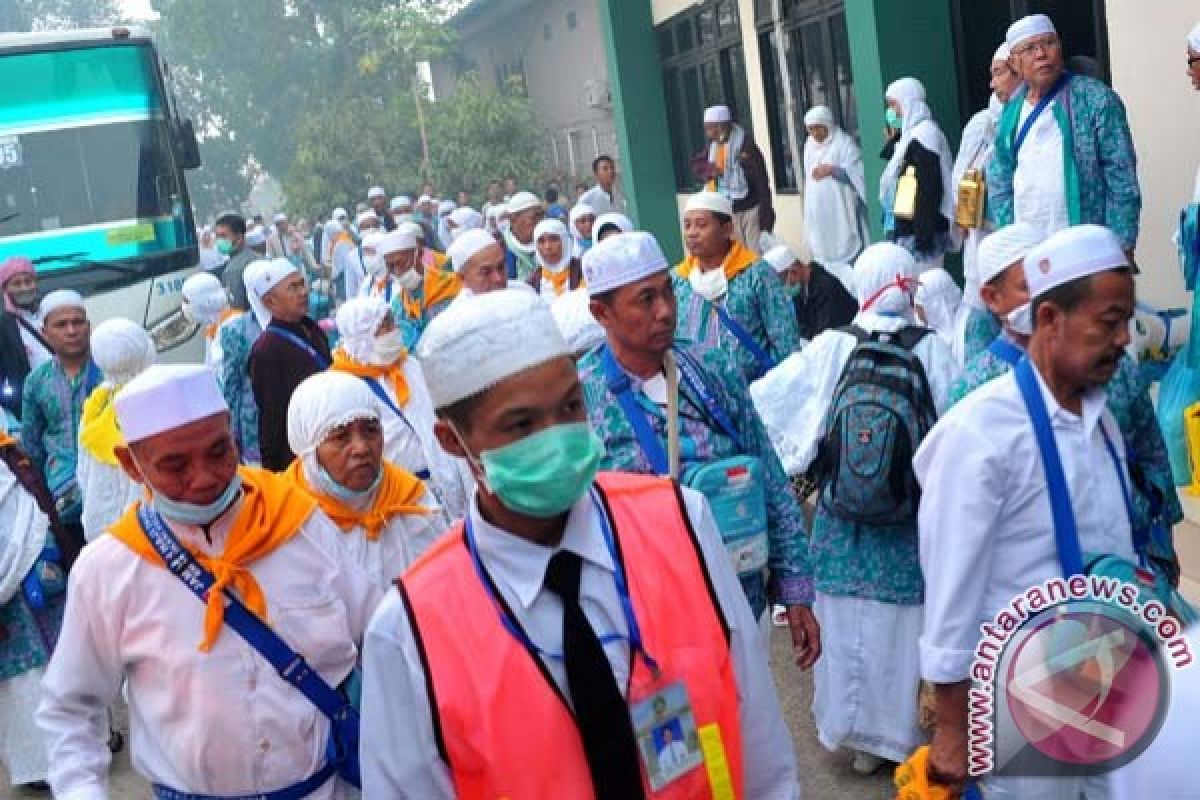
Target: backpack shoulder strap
(910, 337)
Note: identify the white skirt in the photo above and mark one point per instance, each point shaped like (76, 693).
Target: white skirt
(22, 749)
(867, 679)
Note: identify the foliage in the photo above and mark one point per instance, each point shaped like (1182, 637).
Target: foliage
(43, 15)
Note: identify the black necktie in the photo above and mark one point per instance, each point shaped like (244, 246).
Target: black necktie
(600, 710)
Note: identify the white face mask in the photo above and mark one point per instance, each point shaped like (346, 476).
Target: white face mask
(711, 284)
(1020, 319)
(387, 348)
(374, 264)
(409, 280)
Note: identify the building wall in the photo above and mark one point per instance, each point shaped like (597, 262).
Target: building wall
(1148, 51)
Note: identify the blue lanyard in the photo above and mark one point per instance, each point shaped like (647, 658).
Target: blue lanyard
(1006, 351)
(635, 634)
(320, 360)
(374, 385)
(1038, 109)
(689, 373)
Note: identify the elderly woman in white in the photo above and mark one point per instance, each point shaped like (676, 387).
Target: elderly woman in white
(939, 305)
(372, 351)
(122, 350)
(834, 191)
(386, 513)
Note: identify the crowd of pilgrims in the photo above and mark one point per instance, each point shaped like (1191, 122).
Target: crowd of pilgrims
(480, 503)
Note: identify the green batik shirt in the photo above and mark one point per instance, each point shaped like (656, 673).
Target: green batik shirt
(52, 405)
(757, 300)
(702, 442)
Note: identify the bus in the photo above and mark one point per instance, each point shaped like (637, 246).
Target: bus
(92, 189)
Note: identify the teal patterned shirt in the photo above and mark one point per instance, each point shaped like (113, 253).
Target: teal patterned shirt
(981, 329)
(237, 337)
(702, 442)
(757, 300)
(51, 407)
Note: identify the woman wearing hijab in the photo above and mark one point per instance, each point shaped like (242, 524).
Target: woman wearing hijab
(558, 272)
(372, 350)
(386, 513)
(917, 143)
(206, 303)
(611, 224)
(459, 221)
(869, 590)
(236, 339)
(581, 220)
(834, 191)
(939, 306)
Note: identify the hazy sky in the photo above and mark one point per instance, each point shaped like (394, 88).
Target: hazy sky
(138, 9)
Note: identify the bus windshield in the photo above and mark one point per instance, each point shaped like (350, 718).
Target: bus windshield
(87, 169)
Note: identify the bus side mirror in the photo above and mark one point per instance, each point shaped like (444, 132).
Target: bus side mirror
(189, 147)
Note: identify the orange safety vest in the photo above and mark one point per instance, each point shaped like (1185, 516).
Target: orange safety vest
(502, 726)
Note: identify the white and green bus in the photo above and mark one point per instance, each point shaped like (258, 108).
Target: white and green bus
(92, 189)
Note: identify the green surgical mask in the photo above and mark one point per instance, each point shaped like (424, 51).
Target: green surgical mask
(224, 246)
(543, 475)
(894, 120)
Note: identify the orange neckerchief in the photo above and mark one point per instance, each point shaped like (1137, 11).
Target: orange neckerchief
(440, 285)
(398, 494)
(342, 362)
(737, 260)
(6, 440)
(272, 512)
(912, 779)
(557, 279)
(211, 330)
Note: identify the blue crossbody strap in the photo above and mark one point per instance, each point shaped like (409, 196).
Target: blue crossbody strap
(764, 360)
(320, 360)
(1006, 351)
(295, 792)
(692, 376)
(1038, 109)
(622, 388)
(1066, 536)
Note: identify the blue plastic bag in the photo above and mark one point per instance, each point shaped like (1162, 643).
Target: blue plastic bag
(1179, 389)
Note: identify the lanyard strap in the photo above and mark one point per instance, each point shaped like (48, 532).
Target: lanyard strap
(765, 362)
(517, 632)
(295, 792)
(692, 375)
(622, 388)
(1006, 351)
(375, 386)
(318, 359)
(1038, 109)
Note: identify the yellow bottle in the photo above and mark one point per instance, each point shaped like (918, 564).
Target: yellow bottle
(972, 194)
(1191, 426)
(905, 206)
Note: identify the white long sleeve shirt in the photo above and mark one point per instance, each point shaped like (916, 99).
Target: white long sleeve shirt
(221, 722)
(106, 490)
(399, 752)
(1039, 182)
(401, 542)
(986, 533)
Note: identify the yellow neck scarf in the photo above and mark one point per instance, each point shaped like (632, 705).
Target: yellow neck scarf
(342, 362)
(272, 512)
(439, 284)
(739, 259)
(211, 330)
(398, 494)
(99, 433)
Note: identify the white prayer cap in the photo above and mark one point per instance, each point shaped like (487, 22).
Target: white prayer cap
(612, 219)
(340, 214)
(256, 237)
(819, 115)
(423, 199)
(204, 298)
(1193, 39)
(717, 114)
(324, 402)
(365, 215)
(1070, 254)
(573, 315)
(905, 90)
(1000, 250)
(397, 241)
(121, 349)
(780, 257)
(469, 244)
(413, 229)
(883, 278)
(577, 211)
(445, 207)
(523, 201)
(1027, 28)
(710, 201)
(466, 218)
(621, 260)
(458, 351)
(376, 191)
(165, 397)
(59, 299)
(1003, 52)
(280, 217)
(266, 277)
(357, 320)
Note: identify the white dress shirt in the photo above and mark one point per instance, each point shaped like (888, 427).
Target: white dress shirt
(1039, 183)
(602, 201)
(986, 533)
(221, 722)
(399, 753)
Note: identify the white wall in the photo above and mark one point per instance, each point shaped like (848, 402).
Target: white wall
(1148, 53)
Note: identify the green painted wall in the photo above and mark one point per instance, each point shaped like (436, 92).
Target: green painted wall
(890, 39)
(640, 112)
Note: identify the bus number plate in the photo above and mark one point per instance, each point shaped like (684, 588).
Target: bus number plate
(10, 152)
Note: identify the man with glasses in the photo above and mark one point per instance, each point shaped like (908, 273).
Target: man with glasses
(1064, 153)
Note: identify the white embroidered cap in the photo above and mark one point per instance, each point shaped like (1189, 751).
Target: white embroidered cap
(1027, 28)
(469, 244)
(780, 257)
(710, 201)
(376, 191)
(397, 240)
(621, 260)
(717, 114)
(1070, 254)
(523, 201)
(165, 397)
(1000, 250)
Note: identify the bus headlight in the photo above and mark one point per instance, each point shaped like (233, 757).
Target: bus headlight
(171, 331)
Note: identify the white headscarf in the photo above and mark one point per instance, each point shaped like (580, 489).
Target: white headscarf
(357, 320)
(939, 297)
(884, 280)
(463, 219)
(917, 123)
(122, 350)
(266, 277)
(320, 404)
(553, 227)
(204, 298)
(831, 207)
(1193, 38)
(622, 223)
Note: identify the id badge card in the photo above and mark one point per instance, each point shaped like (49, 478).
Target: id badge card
(665, 728)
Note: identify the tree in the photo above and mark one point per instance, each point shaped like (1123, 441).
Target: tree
(47, 15)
